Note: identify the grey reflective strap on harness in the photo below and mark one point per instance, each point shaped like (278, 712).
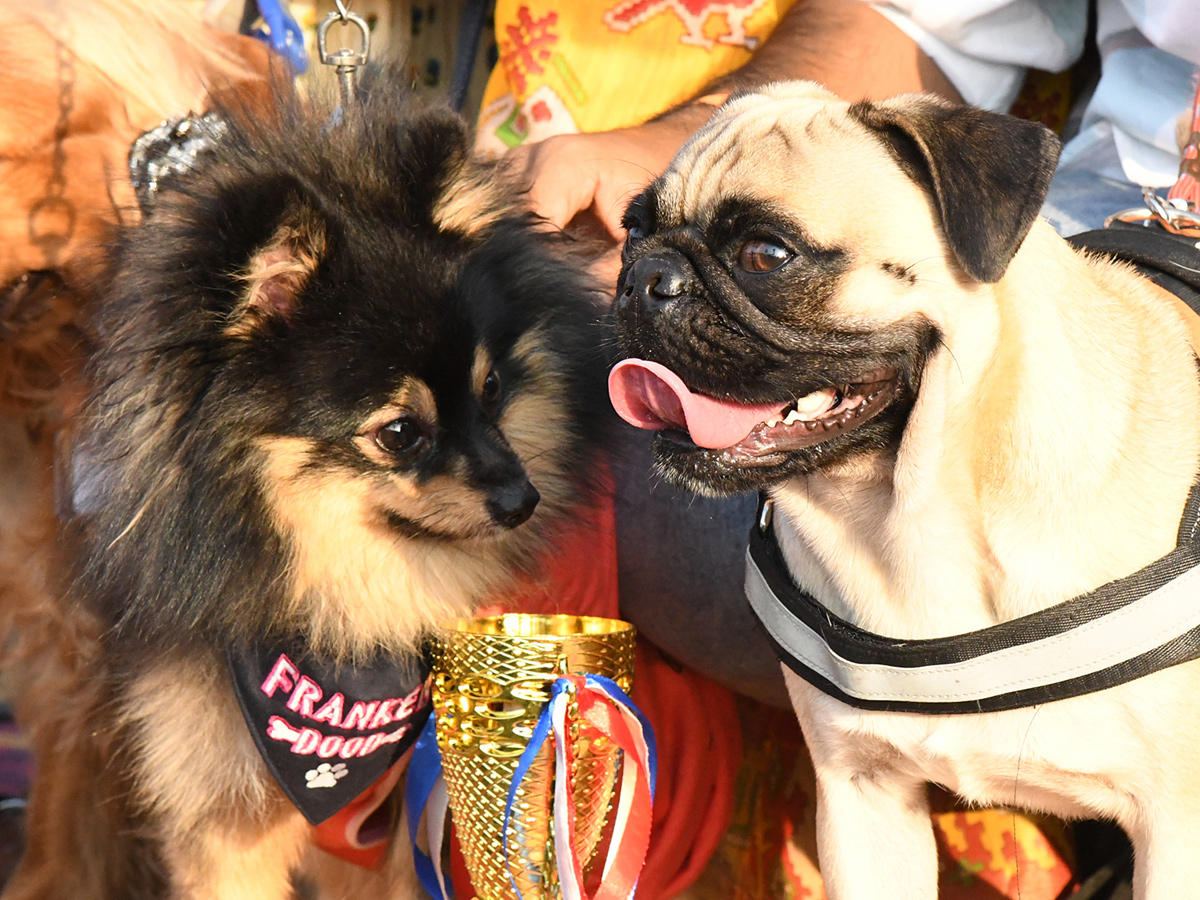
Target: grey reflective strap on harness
(1121, 631)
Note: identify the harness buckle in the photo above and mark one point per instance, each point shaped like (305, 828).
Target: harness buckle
(765, 514)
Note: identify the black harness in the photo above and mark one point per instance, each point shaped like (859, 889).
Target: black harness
(1121, 631)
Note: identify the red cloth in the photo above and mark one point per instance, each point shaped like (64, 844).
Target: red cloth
(350, 833)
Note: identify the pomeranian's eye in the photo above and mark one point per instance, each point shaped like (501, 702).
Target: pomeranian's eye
(402, 438)
(762, 256)
(492, 387)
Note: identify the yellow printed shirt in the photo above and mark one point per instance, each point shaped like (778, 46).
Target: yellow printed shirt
(569, 66)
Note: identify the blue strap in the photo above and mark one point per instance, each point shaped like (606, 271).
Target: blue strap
(541, 732)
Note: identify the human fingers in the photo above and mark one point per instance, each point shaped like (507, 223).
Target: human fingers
(556, 176)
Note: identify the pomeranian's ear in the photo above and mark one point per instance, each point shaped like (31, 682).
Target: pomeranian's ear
(472, 198)
(278, 272)
(451, 189)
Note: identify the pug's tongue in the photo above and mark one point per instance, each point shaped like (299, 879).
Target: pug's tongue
(651, 396)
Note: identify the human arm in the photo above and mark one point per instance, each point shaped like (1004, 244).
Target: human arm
(845, 44)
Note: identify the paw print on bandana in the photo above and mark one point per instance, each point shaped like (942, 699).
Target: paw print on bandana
(325, 775)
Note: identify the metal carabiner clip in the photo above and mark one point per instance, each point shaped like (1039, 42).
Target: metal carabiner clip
(346, 60)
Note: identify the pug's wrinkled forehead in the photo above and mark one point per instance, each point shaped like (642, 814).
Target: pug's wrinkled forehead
(911, 176)
(747, 148)
(790, 154)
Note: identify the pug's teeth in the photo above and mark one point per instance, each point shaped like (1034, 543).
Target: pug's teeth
(771, 423)
(814, 404)
(793, 417)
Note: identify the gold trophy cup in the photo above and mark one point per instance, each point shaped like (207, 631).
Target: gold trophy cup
(491, 677)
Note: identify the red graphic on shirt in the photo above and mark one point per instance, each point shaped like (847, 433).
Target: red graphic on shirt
(694, 14)
(526, 46)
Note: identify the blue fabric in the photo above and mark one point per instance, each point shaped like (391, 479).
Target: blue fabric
(1080, 200)
(285, 36)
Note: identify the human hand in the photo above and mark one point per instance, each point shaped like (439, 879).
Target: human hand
(584, 181)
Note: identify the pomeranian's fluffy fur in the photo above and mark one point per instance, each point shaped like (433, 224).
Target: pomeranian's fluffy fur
(342, 391)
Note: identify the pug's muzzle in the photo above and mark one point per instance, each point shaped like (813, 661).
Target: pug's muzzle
(739, 371)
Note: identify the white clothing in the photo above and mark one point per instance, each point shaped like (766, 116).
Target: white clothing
(1149, 52)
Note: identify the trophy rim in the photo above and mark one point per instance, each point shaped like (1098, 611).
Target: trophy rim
(552, 627)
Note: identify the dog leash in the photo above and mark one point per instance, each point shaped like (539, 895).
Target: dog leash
(173, 147)
(346, 62)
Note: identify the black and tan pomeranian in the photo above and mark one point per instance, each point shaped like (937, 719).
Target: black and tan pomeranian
(343, 391)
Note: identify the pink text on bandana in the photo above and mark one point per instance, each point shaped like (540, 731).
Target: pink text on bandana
(304, 695)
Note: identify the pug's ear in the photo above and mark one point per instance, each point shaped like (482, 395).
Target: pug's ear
(987, 173)
(278, 272)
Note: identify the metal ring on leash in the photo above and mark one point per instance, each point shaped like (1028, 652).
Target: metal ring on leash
(1175, 220)
(346, 60)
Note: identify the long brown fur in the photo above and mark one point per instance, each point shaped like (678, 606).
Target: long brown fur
(79, 80)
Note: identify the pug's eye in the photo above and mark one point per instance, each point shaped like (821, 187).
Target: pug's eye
(762, 256)
(635, 225)
(403, 438)
(490, 395)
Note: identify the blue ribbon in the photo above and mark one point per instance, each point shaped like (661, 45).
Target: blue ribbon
(647, 730)
(541, 731)
(424, 772)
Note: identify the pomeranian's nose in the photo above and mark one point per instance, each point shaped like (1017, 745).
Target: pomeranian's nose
(513, 504)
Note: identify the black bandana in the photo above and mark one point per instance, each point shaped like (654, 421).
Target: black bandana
(327, 732)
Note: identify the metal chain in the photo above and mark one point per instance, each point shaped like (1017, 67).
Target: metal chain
(1177, 219)
(52, 218)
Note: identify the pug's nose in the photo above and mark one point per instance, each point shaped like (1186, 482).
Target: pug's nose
(655, 280)
(512, 504)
